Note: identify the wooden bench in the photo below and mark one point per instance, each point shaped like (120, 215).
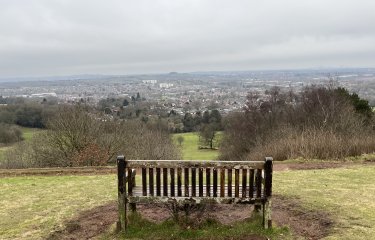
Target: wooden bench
(164, 181)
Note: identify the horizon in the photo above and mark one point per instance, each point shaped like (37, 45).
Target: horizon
(54, 38)
(323, 70)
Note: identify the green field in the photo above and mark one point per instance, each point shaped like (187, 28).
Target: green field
(190, 150)
(27, 134)
(2, 151)
(348, 194)
(32, 207)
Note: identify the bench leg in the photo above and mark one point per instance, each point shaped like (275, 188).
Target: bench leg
(133, 207)
(267, 220)
(257, 207)
(123, 218)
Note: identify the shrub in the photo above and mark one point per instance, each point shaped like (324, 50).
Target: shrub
(319, 122)
(10, 133)
(78, 138)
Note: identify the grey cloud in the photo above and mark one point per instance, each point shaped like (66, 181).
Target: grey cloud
(52, 37)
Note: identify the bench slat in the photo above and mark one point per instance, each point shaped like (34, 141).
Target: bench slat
(208, 182)
(186, 175)
(158, 182)
(165, 181)
(200, 182)
(195, 164)
(236, 182)
(144, 181)
(259, 182)
(251, 183)
(229, 182)
(220, 200)
(214, 187)
(151, 181)
(137, 192)
(222, 183)
(244, 181)
(179, 182)
(172, 182)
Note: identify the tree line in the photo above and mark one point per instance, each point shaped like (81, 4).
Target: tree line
(319, 122)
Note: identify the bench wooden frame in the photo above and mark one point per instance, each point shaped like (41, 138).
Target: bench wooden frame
(166, 181)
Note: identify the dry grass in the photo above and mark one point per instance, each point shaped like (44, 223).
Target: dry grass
(315, 144)
(347, 194)
(32, 207)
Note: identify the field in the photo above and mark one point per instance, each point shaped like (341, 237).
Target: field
(33, 207)
(27, 134)
(347, 194)
(189, 148)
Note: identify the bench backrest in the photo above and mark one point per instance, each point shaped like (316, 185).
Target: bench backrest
(250, 180)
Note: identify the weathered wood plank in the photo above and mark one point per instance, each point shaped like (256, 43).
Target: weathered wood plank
(195, 164)
(144, 181)
(193, 182)
(186, 181)
(222, 183)
(158, 182)
(268, 177)
(179, 182)
(237, 183)
(130, 182)
(251, 183)
(220, 200)
(244, 182)
(214, 187)
(208, 182)
(151, 181)
(229, 182)
(137, 191)
(165, 181)
(258, 180)
(121, 166)
(172, 182)
(200, 173)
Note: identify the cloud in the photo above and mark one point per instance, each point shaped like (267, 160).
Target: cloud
(54, 37)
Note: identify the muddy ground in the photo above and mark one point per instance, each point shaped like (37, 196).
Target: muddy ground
(286, 212)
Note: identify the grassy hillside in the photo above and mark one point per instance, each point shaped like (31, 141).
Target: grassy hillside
(27, 134)
(53, 200)
(190, 150)
(348, 194)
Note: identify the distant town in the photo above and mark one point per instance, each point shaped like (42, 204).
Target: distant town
(186, 92)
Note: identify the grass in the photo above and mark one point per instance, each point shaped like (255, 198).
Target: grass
(32, 207)
(2, 151)
(27, 134)
(347, 194)
(190, 150)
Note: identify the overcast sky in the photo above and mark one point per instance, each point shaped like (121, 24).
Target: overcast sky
(63, 37)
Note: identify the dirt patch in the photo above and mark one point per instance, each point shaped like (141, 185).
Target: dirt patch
(308, 224)
(88, 224)
(279, 166)
(57, 171)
